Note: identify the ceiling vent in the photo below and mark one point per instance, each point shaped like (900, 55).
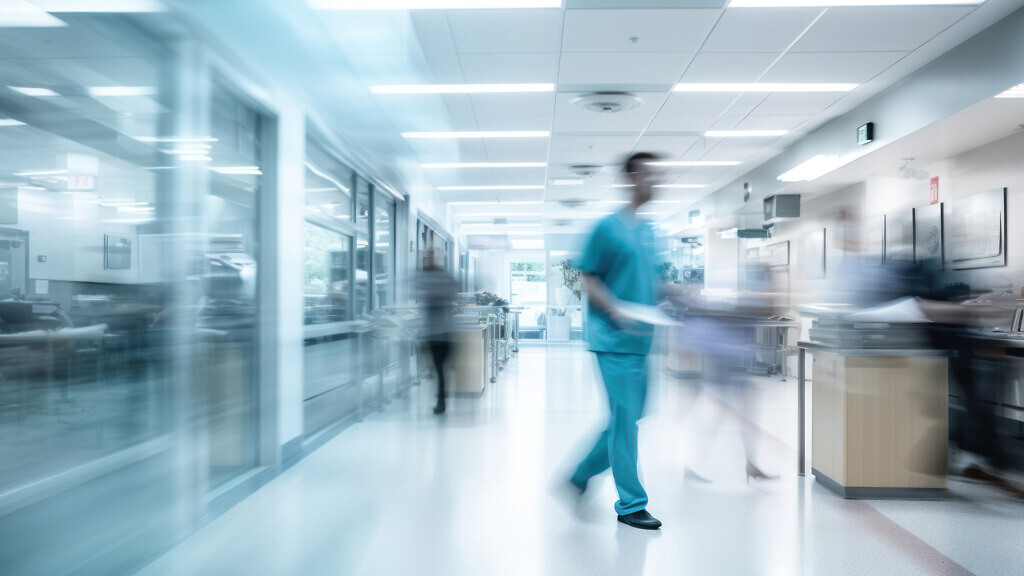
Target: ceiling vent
(608, 102)
(560, 222)
(500, 221)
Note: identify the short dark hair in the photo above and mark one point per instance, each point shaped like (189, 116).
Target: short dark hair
(634, 162)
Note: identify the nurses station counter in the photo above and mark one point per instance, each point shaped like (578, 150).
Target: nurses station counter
(880, 403)
(879, 420)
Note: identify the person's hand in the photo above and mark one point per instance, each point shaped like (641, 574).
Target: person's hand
(622, 321)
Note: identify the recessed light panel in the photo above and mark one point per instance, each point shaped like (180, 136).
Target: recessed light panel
(834, 3)
(1015, 92)
(22, 14)
(764, 87)
(495, 187)
(36, 92)
(430, 4)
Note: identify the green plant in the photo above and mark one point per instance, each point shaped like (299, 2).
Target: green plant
(572, 280)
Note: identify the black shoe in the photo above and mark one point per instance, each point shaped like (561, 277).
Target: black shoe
(641, 519)
(439, 409)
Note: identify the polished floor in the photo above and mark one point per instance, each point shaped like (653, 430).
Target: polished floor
(470, 493)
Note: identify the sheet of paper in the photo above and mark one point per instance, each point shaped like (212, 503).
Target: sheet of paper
(902, 311)
(647, 314)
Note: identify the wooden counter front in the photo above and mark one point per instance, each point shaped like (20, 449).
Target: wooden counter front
(880, 424)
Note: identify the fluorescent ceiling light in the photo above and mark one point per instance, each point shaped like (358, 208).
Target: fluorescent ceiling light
(688, 163)
(461, 88)
(567, 181)
(495, 203)
(109, 6)
(764, 87)
(191, 149)
(491, 224)
(489, 215)
(744, 133)
(195, 158)
(832, 3)
(812, 169)
(430, 4)
(100, 91)
(22, 14)
(686, 186)
(481, 134)
(176, 140)
(454, 188)
(486, 165)
(623, 185)
(238, 170)
(1015, 92)
(10, 122)
(41, 173)
(37, 92)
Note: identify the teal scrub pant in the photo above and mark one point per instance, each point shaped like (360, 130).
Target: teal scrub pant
(625, 379)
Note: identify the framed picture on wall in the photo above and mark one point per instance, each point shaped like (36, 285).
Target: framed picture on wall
(776, 255)
(928, 234)
(117, 252)
(977, 231)
(812, 254)
(899, 236)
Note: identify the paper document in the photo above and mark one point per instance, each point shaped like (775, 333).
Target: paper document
(647, 314)
(902, 311)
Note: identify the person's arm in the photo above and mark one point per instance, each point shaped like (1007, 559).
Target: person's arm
(601, 298)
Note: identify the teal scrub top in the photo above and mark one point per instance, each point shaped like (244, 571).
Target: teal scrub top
(621, 253)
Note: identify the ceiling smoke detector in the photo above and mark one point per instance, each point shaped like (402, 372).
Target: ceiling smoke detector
(586, 170)
(608, 102)
(574, 203)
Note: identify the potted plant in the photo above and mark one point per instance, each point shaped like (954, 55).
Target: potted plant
(559, 323)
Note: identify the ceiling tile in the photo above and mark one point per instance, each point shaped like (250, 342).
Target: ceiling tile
(601, 157)
(496, 31)
(509, 68)
(728, 67)
(691, 112)
(536, 122)
(879, 29)
(736, 149)
(595, 142)
(759, 29)
(601, 123)
(655, 30)
(622, 68)
(513, 104)
(747, 103)
(791, 122)
(855, 67)
(517, 149)
(669, 146)
(792, 103)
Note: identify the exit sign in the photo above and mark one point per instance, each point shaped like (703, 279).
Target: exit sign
(866, 133)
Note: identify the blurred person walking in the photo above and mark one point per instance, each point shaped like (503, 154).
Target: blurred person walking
(618, 265)
(437, 291)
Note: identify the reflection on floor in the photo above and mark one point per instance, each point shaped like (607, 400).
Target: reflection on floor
(406, 492)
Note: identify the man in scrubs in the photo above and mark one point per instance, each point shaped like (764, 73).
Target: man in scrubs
(618, 265)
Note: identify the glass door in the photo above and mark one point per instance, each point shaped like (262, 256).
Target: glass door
(528, 289)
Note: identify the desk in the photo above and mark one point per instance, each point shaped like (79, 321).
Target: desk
(875, 413)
